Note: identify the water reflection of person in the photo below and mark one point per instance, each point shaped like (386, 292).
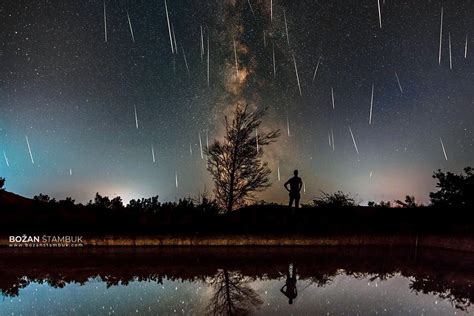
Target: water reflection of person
(289, 289)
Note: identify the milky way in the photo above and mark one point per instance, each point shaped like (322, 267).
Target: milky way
(95, 87)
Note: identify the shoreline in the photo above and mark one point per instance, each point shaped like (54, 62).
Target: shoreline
(465, 244)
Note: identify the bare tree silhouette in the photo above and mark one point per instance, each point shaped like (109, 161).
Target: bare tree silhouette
(232, 295)
(236, 163)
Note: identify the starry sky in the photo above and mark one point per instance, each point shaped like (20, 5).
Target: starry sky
(344, 295)
(70, 85)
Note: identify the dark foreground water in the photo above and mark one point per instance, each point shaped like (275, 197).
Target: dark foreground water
(275, 281)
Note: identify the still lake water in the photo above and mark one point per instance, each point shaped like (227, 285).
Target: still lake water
(259, 281)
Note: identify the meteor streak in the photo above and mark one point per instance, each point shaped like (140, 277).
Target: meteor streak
(440, 36)
(256, 139)
(105, 23)
(130, 26)
(450, 56)
(371, 105)
(444, 150)
(353, 140)
(153, 153)
(251, 9)
(6, 159)
(316, 70)
(271, 10)
(208, 60)
(286, 29)
(185, 61)
(274, 65)
(174, 39)
(380, 14)
(169, 28)
(200, 145)
(465, 48)
(297, 77)
(136, 116)
(332, 97)
(398, 80)
(29, 149)
(332, 140)
(288, 126)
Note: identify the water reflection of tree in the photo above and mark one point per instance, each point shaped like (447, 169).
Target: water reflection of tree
(232, 295)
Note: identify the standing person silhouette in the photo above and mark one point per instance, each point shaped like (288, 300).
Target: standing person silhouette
(295, 187)
(289, 289)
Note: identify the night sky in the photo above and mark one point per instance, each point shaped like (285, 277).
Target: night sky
(74, 95)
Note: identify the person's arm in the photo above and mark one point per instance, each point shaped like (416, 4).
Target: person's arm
(286, 185)
(300, 185)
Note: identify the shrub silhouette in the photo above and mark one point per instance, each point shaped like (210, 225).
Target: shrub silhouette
(454, 190)
(337, 199)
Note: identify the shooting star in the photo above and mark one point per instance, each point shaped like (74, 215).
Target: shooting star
(288, 126)
(371, 105)
(450, 57)
(207, 139)
(6, 159)
(304, 187)
(353, 140)
(185, 61)
(444, 150)
(208, 60)
(274, 64)
(190, 149)
(332, 97)
(465, 48)
(398, 80)
(380, 13)
(332, 140)
(136, 116)
(174, 39)
(130, 26)
(251, 9)
(286, 29)
(200, 145)
(70, 171)
(256, 139)
(153, 153)
(440, 36)
(236, 61)
(202, 44)
(370, 174)
(105, 23)
(297, 77)
(316, 70)
(329, 139)
(278, 173)
(169, 28)
(29, 149)
(176, 179)
(271, 10)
